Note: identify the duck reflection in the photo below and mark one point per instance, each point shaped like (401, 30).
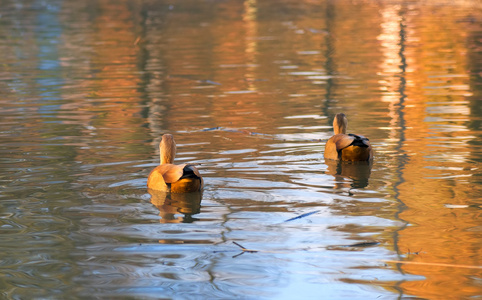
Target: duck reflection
(172, 204)
(358, 172)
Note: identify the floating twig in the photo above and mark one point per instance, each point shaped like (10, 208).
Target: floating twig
(137, 41)
(363, 244)
(244, 249)
(431, 264)
(415, 253)
(302, 216)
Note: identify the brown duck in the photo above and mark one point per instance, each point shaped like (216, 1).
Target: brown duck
(169, 177)
(348, 147)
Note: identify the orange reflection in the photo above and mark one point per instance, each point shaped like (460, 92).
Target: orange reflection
(434, 152)
(172, 204)
(356, 174)
(107, 96)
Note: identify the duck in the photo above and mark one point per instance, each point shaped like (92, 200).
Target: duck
(347, 147)
(168, 177)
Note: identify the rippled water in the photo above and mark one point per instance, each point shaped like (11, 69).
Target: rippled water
(249, 90)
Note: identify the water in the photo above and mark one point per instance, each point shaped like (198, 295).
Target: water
(249, 90)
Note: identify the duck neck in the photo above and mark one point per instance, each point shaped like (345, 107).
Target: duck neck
(167, 151)
(339, 124)
(166, 159)
(339, 128)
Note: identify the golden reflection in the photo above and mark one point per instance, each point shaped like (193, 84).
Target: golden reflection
(349, 174)
(391, 66)
(426, 100)
(249, 18)
(170, 205)
(106, 98)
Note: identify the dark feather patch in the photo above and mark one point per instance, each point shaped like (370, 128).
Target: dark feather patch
(188, 172)
(359, 141)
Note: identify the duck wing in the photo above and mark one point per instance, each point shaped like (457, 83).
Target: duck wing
(338, 142)
(343, 140)
(164, 175)
(170, 172)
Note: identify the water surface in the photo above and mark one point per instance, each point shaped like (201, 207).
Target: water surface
(249, 90)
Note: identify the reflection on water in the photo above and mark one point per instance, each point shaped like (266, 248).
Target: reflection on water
(357, 173)
(171, 204)
(249, 89)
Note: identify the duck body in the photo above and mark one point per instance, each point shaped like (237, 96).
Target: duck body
(347, 147)
(175, 178)
(168, 177)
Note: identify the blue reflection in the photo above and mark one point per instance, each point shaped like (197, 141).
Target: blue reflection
(47, 32)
